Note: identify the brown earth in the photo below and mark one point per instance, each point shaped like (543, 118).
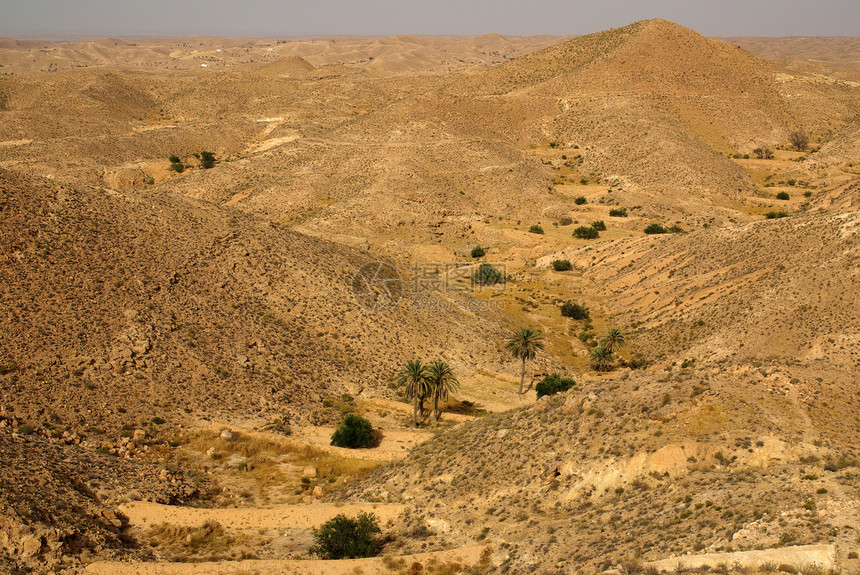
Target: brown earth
(191, 337)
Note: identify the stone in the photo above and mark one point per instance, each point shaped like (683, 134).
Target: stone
(226, 435)
(310, 472)
(318, 491)
(30, 545)
(138, 435)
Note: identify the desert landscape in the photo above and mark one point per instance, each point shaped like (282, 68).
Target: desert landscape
(628, 263)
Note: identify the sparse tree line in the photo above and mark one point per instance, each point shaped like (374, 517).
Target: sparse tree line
(207, 160)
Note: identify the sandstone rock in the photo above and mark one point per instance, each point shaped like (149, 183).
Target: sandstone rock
(138, 435)
(226, 435)
(318, 491)
(310, 472)
(30, 545)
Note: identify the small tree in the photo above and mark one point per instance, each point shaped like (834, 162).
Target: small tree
(574, 310)
(799, 140)
(763, 153)
(783, 196)
(562, 265)
(442, 383)
(486, 275)
(524, 344)
(536, 229)
(613, 340)
(478, 252)
(552, 384)
(355, 432)
(601, 359)
(586, 233)
(207, 160)
(413, 377)
(342, 537)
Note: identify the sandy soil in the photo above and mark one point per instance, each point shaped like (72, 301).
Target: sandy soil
(145, 514)
(466, 555)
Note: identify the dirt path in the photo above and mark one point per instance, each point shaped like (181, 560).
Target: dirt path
(821, 556)
(144, 515)
(465, 555)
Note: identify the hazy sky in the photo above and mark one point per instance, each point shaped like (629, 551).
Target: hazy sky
(289, 18)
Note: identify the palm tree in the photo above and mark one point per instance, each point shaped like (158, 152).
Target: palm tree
(601, 359)
(524, 344)
(613, 340)
(414, 377)
(442, 382)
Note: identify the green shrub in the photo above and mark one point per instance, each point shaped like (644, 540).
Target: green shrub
(675, 229)
(486, 275)
(775, 215)
(655, 229)
(618, 212)
(562, 265)
(342, 537)
(174, 159)
(536, 229)
(599, 226)
(580, 200)
(552, 384)
(478, 252)
(157, 420)
(355, 432)
(177, 167)
(207, 160)
(574, 310)
(585, 233)
(783, 196)
(26, 429)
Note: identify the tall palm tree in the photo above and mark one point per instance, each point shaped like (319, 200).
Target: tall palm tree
(442, 382)
(524, 344)
(601, 359)
(613, 340)
(413, 377)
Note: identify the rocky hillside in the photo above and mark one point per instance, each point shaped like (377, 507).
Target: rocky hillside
(122, 308)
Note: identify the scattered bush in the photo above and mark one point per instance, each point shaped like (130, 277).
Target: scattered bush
(174, 159)
(580, 200)
(574, 310)
(675, 229)
(618, 212)
(355, 432)
(562, 265)
(599, 226)
(655, 229)
(342, 537)
(478, 252)
(565, 220)
(536, 229)
(783, 196)
(486, 274)
(207, 160)
(585, 233)
(763, 153)
(177, 167)
(775, 215)
(26, 429)
(552, 384)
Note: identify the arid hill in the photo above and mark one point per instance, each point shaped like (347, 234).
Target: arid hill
(152, 303)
